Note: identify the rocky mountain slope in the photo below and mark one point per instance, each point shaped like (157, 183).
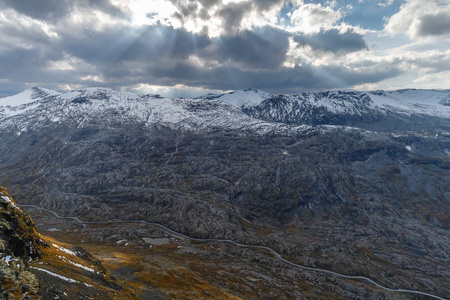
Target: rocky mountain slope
(278, 171)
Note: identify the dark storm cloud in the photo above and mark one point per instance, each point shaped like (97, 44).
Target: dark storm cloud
(224, 76)
(158, 55)
(232, 15)
(282, 80)
(53, 10)
(434, 24)
(263, 5)
(22, 63)
(262, 48)
(194, 9)
(190, 7)
(333, 41)
(13, 33)
(145, 44)
(39, 9)
(22, 67)
(123, 55)
(104, 6)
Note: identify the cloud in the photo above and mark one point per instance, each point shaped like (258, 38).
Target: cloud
(41, 10)
(121, 56)
(282, 80)
(232, 16)
(333, 41)
(438, 24)
(420, 18)
(385, 3)
(299, 78)
(313, 18)
(53, 10)
(19, 30)
(427, 62)
(218, 17)
(259, 49)
(18, 63)
(144, 44)
(279, 46)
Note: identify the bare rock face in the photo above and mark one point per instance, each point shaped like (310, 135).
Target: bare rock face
(19, 243)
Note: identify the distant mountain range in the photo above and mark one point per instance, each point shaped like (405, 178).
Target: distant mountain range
(378, 110)
(352, 182)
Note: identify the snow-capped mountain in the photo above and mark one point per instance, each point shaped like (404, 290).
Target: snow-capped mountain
(247, 109)
(426, 102)
(41, 107)
(378, 110)
(423, 102)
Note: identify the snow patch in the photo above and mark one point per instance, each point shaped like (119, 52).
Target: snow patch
(122, 242)
(77, 264)
(64, 250)
(60, 276)
(7, 199)
(8, 258)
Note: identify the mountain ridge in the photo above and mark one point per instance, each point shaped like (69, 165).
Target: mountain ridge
(349, 108)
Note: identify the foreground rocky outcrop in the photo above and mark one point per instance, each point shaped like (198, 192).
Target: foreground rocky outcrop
(19, 244)
(36, 267)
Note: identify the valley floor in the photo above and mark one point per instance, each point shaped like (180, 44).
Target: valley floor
(155, 263)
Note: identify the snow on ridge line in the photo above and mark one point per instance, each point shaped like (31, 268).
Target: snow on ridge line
(239, 98)
(109, 91)
(426, 102)
(18, 99)
(247, 97)
(88, 103)
(24, 101)
(27, 96)
(48, 91)
(174, 113)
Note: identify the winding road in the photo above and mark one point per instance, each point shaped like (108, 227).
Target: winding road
(276, 254)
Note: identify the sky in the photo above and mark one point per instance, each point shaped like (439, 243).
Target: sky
(188, 48)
